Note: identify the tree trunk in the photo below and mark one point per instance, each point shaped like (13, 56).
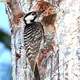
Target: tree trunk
(62, 62)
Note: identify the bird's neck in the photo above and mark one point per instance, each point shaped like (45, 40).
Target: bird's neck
(28, 22)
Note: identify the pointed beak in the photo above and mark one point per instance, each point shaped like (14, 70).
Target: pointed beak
(39, 13)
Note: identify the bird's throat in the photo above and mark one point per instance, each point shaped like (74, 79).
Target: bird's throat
(28, 22)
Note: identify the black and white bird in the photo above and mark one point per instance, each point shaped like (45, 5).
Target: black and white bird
(33, 36)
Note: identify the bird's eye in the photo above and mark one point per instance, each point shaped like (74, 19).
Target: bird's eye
(33, 13)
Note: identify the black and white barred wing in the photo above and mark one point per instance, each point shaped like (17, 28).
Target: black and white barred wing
(33, 35)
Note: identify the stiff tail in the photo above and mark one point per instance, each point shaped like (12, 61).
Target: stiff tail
(36, 73)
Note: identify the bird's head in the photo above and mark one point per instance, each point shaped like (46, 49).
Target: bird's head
(31, 16)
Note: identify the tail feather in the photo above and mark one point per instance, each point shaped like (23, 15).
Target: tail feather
(36, 73)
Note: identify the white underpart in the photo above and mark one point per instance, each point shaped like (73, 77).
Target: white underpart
(29, 18)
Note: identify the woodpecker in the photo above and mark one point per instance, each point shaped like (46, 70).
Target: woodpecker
(33, 36)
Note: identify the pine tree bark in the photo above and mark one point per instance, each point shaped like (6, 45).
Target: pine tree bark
(62, 63)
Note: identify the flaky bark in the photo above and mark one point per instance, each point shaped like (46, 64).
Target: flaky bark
(60, 57)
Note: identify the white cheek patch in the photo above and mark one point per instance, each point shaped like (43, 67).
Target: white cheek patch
(29, 18)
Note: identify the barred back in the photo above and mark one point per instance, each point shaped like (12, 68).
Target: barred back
(33, 34)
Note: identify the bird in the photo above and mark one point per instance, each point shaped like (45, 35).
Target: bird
(33, 36)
